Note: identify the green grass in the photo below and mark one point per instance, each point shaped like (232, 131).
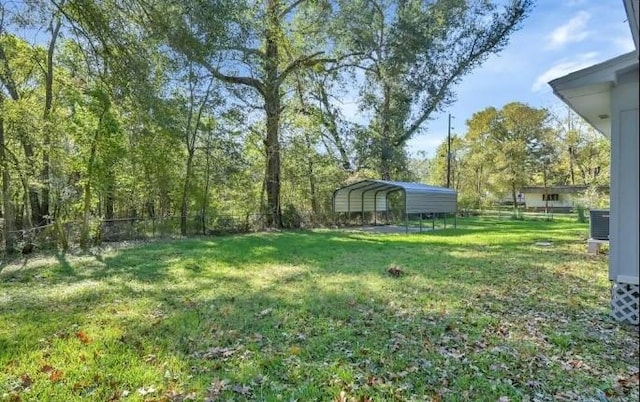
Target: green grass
(480, 313)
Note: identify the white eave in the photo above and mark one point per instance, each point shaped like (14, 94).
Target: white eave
(588, 91)
(631, 7)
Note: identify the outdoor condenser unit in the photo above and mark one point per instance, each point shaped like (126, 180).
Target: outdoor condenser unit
(599, 224)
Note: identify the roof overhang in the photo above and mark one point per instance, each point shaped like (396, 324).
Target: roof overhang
(632, 9)
(391, 186)
(588, 91)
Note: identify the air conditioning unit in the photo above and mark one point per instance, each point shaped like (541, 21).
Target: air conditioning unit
(599, 224)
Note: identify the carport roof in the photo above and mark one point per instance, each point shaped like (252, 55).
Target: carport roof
(389, 186)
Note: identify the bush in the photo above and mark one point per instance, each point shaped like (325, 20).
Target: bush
(291, 218)
(582, 218)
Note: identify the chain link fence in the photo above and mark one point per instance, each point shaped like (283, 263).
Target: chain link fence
(68, 234)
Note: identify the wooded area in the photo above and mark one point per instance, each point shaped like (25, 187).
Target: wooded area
(504, 150)
(201, 115)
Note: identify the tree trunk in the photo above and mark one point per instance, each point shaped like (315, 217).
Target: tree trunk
(272, 146)
(185, 194)
(7, 205)
(385, 143)
(86, 220)
(329, 121)
(312, 179)
(571, 167)
(272, 99)
(48, 105)
(205, 197)
(109, 203)
(34, 198)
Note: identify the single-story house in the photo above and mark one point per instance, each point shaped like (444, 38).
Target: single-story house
(606, 96)
(555, 198)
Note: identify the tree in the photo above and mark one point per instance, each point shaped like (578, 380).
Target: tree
(7, 204)
(411, 55)
(585, 153)
(246, 44)
(512, 143)
(24, 68)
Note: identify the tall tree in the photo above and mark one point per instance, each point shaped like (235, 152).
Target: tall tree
(511, 140)
(7, 204)
(412, 53)
(249, 44)
(38, 64)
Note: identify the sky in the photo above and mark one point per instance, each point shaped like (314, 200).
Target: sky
(559, 37)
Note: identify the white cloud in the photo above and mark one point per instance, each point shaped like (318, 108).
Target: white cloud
(564, 67)
(574, 3)
(573, 31)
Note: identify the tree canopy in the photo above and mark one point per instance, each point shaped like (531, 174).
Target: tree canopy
(201, 110)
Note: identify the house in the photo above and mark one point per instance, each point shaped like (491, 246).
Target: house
(556, 198)
(606, 96)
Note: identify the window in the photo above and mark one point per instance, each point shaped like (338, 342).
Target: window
(550, 197)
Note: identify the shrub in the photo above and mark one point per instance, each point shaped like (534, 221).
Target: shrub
(291, 218)
(582, 218)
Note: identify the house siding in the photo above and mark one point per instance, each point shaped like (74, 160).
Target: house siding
(534, 201)
(623, 226)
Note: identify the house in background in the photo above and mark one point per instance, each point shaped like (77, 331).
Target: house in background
(606, 96)
(562, 199)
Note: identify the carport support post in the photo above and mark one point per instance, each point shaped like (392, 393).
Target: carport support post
(362, 205)
(420, 222)
(433, 221)
(375, 207)
(406, 214)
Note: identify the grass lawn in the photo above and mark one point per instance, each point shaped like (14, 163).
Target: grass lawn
(479, 313)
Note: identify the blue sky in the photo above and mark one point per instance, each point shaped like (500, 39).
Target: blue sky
(560, 36)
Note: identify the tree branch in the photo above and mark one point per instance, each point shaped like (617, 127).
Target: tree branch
(246, 50)
(304, 61)
(291, 7)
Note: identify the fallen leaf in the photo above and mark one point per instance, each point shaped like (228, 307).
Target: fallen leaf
(264, 312)
(82, 336)
(395, 270)
(13, 397)
(342, 397)
(625, 383)
(46, 368)
(217, 352)
(55, 375)
(242, 389)
(372, 381)
(217, 386)
(175, 396)
(25, 381)
(150, 358)
(146, 391)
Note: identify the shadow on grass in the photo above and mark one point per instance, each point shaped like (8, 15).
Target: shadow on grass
(310, 314)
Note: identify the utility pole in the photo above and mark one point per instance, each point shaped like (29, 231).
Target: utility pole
(449, 153)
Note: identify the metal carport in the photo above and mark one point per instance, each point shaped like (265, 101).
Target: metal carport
(373, 196)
